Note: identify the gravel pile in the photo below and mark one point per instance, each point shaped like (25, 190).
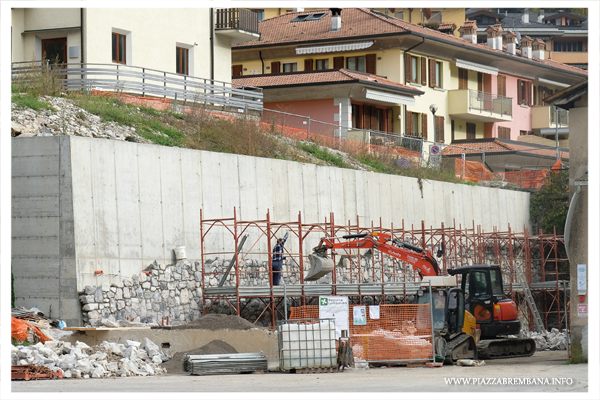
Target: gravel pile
(102, 361)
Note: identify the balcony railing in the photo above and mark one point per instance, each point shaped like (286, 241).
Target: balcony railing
(493, 103)
(237, 18)
(146, 82)
(563, 117)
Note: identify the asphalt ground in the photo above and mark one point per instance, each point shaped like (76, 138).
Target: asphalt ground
(544, 372)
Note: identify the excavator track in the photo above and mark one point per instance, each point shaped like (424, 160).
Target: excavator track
(505, 348)
(462, 346)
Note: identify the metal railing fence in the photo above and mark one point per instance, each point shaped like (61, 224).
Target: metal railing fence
(146, 82)
(492, 103)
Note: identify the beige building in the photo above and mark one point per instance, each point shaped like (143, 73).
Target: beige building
(195, 42)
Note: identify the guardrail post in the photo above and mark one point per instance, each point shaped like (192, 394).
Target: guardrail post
(308, 130)
(165, 84)
(143, 82)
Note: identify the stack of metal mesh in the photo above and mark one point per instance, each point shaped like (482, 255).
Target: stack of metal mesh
(225, 363)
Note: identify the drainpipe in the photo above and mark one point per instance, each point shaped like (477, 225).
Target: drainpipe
(261, 61)
(212, 45)
(410, 15)
(81, 44)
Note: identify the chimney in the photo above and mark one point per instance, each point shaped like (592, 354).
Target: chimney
(494, 36)
(469, 31)
(539, 48)
(541, 16)
(298, 9)
(511, 43)
(336, 19)
(526, 47)
(525, 16)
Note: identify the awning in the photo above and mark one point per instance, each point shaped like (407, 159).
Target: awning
(476, 67)
(329, 48)
(559, 84)
(390, 97)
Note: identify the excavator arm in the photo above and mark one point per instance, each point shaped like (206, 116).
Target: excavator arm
(421, 260)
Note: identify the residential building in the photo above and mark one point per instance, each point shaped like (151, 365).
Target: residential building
(194, 42)
(481, 90)
(565, 35)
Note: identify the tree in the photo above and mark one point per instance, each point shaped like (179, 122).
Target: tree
(549, 205)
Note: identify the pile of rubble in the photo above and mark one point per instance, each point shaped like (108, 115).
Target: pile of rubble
(65, 118)
(553, 340)
(102, 361)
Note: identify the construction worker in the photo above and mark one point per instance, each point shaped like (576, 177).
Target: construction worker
(277, 260)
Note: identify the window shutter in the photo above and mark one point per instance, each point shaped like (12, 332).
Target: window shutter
(338, 62)
(409, 123)
(480, 81)
(423, 71)
(308, 64)
(374, 119)
(432, 77)
(529, 92)
(520, 85)
(424, 125)
(366, 117)
(236, 70)
(502, 85)
(390, 120)
(439, 122)
(371, 64)
(463, 78)
(275, 67)
(407, 68)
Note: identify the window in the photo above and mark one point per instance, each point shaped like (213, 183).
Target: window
(356, 117)
(471, 130)
(308, 17)
(399, 14)
(356, 63)
(484, 20)
(416, 124)
(290, 67)
(118, 48)
(568, 46)
(463, 78)
(524, 89)
(435, 73)
(503, 133)
(322, 64)
(183, 61)
(539, 94)
(436, 16)
(413, 69)
(496, 280)
(502, 85)
(260, 14)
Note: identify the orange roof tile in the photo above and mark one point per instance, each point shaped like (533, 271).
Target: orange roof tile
(499, 146)
(316, 77)
(356, 23)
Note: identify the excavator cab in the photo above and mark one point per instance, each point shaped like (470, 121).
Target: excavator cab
(484, 298)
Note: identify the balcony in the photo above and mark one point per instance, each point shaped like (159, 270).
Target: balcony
(239, 24)
(474, 105)
(544, 117)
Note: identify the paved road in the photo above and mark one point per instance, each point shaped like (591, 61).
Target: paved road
(542, 366)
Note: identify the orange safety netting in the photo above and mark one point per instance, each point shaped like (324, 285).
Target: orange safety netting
(19, 330)
(293, 133)
(473, 170)
(402, 331)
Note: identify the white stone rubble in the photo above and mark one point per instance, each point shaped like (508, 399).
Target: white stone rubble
(116, 359)
(553, 340)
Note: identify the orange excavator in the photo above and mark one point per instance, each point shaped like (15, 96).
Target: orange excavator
(458, 311)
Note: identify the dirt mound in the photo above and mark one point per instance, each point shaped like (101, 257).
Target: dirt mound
(213, 322)
(110, 357)
(175, 364)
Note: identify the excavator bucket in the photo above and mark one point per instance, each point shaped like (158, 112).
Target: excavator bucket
(319, 267)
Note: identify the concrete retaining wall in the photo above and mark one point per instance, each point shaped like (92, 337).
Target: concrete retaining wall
(134, 203)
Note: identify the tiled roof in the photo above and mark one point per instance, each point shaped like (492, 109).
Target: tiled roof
(357, 23)
(500, 146)
(446, 25)
(317, 77)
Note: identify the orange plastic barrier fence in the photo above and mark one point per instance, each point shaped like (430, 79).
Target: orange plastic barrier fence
(19, 330)
(401, 333)
(473, 170)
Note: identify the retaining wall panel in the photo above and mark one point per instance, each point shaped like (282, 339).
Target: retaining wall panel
(311, 211)
(172, 197)
(35, 186)
(35, 206)
(35, 146)
(191, 165)
(83, 198)
(38, 165)
(25, 227)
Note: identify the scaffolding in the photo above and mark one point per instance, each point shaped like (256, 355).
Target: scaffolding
(246, 287)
